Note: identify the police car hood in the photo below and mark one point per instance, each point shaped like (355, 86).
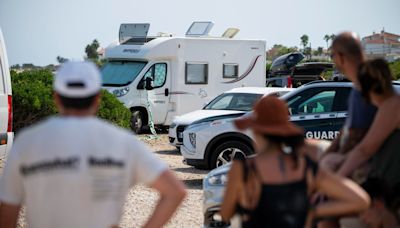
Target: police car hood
(191, 117)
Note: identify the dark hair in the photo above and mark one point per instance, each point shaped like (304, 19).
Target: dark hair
(378, 188)
(374, 76)
(290, 143)
(77, 103)
(348, 45)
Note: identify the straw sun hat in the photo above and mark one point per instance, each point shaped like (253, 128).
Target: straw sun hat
(270, 116)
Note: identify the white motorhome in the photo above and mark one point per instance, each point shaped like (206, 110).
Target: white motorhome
(6, 133)
(161, 77)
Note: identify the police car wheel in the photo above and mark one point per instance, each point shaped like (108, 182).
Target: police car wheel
(226, 151)
(137, 122)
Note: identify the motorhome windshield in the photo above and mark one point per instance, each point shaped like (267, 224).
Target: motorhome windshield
(121, 73)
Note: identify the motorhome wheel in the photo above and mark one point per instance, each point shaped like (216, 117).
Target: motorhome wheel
(226, 151)
(137, 122)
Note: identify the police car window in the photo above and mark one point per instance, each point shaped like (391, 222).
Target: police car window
(221, 102)
(243, 102)
(319, 103)
(236, 101)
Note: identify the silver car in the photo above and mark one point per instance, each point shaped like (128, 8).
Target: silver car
(213, 190)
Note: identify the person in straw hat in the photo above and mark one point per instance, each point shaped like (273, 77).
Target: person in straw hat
(272, 188)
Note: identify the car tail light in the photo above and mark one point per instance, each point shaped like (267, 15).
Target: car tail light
(289, 82)
(10, 114)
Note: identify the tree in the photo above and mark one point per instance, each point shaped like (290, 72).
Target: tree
(327, 38)
(15, 67)
(28, 66)
(278, 50)
(304, 41)
(320, 50)
(395, 69)
(91, 50)
(333, 36)
(33, 100)
(61, 60)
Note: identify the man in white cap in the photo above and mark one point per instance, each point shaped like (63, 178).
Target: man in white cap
(74, 170)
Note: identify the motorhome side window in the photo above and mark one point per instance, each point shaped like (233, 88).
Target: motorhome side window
(196, 73)
(158, 72)
(230, 70)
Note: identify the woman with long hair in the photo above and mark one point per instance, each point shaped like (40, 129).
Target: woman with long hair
(273, 188)
(382, 143)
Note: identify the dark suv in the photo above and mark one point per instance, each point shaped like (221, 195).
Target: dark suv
(307, 72)
(286, 72)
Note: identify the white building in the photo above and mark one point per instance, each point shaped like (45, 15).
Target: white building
(382, 45)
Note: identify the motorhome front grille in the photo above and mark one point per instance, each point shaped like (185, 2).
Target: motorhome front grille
(179, 132)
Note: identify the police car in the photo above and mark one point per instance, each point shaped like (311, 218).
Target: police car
(319, 107)
(232, 102)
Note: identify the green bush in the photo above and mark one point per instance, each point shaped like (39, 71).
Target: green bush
(33, 100)
(395, 68)
(113, 110)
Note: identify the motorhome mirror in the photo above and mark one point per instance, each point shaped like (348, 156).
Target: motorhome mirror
(133, 32)
(149, 83)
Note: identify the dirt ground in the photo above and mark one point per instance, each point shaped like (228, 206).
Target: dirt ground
(141, 200)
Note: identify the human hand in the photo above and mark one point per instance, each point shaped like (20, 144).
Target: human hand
(332, 161)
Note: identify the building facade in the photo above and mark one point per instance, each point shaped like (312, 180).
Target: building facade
(382, 45)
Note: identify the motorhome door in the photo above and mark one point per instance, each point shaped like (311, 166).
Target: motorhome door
(158, 93)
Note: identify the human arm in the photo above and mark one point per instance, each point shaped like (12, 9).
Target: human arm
(346, 196)
(11, 190)
(172, 192)
(314, 148)
(381, 128)
(231, 196)
(9, 215)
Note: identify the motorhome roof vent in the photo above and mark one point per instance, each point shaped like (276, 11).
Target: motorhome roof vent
(230, 32)
(133, 33)
(199, 29)
(164, 34)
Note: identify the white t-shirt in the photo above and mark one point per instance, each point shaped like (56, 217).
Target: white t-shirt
(75, 172)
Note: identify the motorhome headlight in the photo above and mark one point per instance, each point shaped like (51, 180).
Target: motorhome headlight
(192, 139)
(121, 92)
(218, 179)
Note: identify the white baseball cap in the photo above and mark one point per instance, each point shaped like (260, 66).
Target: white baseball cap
(77, 80)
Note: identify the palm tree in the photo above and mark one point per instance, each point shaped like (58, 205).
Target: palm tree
(304, 41)
(327, 38)
(333, 36)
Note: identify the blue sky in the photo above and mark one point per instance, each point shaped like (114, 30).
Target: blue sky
(38, 31)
